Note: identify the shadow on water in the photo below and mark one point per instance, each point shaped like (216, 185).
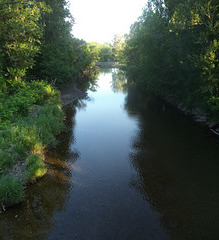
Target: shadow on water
(177, 165)
(34, 218)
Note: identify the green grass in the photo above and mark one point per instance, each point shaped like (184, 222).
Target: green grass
(35, 167)
(6, 162)
(11, 190)
(29, 121)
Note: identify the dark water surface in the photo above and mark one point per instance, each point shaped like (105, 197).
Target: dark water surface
(126, 168)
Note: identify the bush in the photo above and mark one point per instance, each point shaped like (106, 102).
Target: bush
(30, 135)
(49, 122)
(32, 93)
(214, 107)
(29, 120)
(11, 191)
(35, 167)
(6, 161)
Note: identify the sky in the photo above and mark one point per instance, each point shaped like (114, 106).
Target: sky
(100, 20)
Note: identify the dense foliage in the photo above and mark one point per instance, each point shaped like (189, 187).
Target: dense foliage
(36, 43)
(63, 57)
(37, 50)
(29, 120)
(173, 50)
(108, 52)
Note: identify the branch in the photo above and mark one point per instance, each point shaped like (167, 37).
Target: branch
(214, 131)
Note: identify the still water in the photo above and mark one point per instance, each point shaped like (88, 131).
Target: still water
(127, 167)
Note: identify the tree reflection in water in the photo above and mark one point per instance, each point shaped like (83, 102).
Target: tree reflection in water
(119, 81)
(176, 172)
(177, 165)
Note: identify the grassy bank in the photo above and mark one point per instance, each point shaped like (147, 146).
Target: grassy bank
(29, 120)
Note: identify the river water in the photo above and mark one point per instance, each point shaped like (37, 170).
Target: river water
(127, 167)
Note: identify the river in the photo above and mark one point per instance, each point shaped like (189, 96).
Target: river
(126, 167)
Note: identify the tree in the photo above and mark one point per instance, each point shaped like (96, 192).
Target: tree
(21, 32)
(118, 46)
(106, 53)
(55, 60)
(173, 50)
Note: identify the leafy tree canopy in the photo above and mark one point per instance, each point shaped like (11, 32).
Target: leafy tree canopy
(173, 50)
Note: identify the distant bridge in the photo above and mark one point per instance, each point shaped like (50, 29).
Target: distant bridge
(108, 64)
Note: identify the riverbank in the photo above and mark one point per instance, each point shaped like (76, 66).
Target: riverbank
(25, 137)
(69, 93)
(197, 114)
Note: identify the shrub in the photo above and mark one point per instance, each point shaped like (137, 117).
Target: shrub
(11, 190)
(49, 122)
(6, 161)
(25, 128)
(35, 167)
(214, 107)
(19, 104)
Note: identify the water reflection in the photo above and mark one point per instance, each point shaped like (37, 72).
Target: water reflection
(144, 170)
(119, 81)
(177, 165)
(34, 218)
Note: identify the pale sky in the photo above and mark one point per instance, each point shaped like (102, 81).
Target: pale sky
(100, 20)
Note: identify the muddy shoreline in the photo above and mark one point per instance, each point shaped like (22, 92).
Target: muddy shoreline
(69, 93)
